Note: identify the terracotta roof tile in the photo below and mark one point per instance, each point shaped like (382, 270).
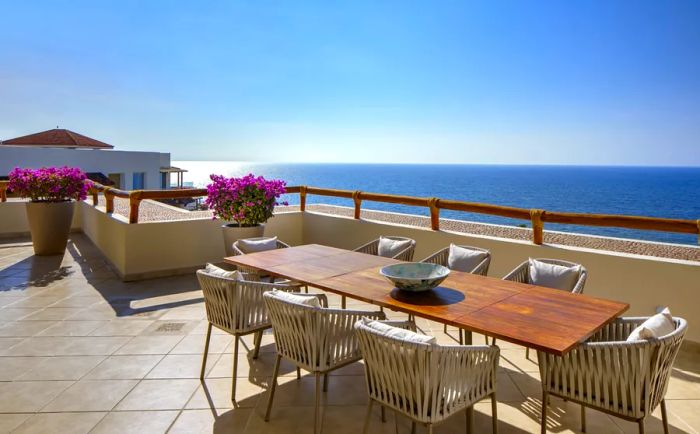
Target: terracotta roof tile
(58, 137)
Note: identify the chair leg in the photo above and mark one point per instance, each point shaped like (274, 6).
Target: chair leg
(494, 413)
(383, 414)
(206, 352)
(396, 422)
(413, 427)
(640, 422)
(257, 339)
(275, 372)
(583, 419)
(298, 373)
(325, 382)
(664, 416)
(234, 373)
(317, 412)
(545, 400)
(470, 419)
(342, 302)
(430, 428)
(370, 403)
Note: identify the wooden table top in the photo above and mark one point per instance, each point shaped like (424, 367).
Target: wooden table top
(541, 318)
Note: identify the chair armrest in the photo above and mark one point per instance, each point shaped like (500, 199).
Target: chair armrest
(439, 257)
(466, 373)
(370, 248)
(519, 274)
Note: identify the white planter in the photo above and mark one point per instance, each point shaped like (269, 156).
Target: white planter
(233, 233)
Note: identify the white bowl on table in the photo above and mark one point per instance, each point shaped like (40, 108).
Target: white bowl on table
(415, 276)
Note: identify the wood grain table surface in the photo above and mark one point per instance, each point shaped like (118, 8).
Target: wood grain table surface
(541, 318)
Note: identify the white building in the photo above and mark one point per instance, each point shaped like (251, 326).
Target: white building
(128, 170)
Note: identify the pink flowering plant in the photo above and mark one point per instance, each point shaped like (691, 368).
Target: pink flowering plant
(248, 201)
(49, 184)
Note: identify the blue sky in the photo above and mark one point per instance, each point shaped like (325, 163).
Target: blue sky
(605, 82)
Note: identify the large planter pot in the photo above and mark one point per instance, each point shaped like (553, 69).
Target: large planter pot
(233, 233)
(49, 224)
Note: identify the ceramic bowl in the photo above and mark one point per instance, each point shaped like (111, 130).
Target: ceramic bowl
(415, 276)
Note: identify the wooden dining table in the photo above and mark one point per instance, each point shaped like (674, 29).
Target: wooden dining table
(536, 317)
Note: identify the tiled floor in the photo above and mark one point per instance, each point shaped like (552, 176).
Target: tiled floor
(81, 351)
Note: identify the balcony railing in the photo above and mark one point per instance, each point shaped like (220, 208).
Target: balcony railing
(537, 217)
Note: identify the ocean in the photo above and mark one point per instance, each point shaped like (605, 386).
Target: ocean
(645, 191)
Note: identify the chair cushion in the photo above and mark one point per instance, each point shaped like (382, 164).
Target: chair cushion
(389, 248)
(655, 327)
(398, 333)
(295, 298)
(251, 245)
(463, 259)
(553, 276)
(220, 272)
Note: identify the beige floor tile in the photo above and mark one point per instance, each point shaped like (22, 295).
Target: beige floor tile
(53, 313)
(38, 346)
(159, 395)
(60, 423)
(194, 344)
(181, 366)
(208, 421)
(102, 345)
(79, 301)
(38, 301)
(71, 328)
(29, 396)
(8, 422)
(653, 424)
(350, 420)
(283, 420)
(124, 367)
(149, 345)
(91, 395)
(514, 359)
(216, 393)
(24, 328)
(147, 422)
(14, 314)
(249, 368)
(62, 368)
(122, 327)
(13, 367)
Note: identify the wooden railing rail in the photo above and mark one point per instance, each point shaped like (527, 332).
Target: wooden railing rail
(537, 217)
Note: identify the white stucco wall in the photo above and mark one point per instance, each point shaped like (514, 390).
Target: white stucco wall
(89, 160)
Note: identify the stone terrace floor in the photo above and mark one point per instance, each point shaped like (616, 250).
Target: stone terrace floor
(81, 351)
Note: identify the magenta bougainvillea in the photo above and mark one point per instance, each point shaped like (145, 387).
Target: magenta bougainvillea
(49, 184)
(248, 201)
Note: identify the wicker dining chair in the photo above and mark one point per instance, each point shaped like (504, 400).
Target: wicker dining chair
(280, 245)
(441, 258)
(318, 340)
(521, 274)
(606, 373)
(372, 248)
(236, 307)
(428, 383)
